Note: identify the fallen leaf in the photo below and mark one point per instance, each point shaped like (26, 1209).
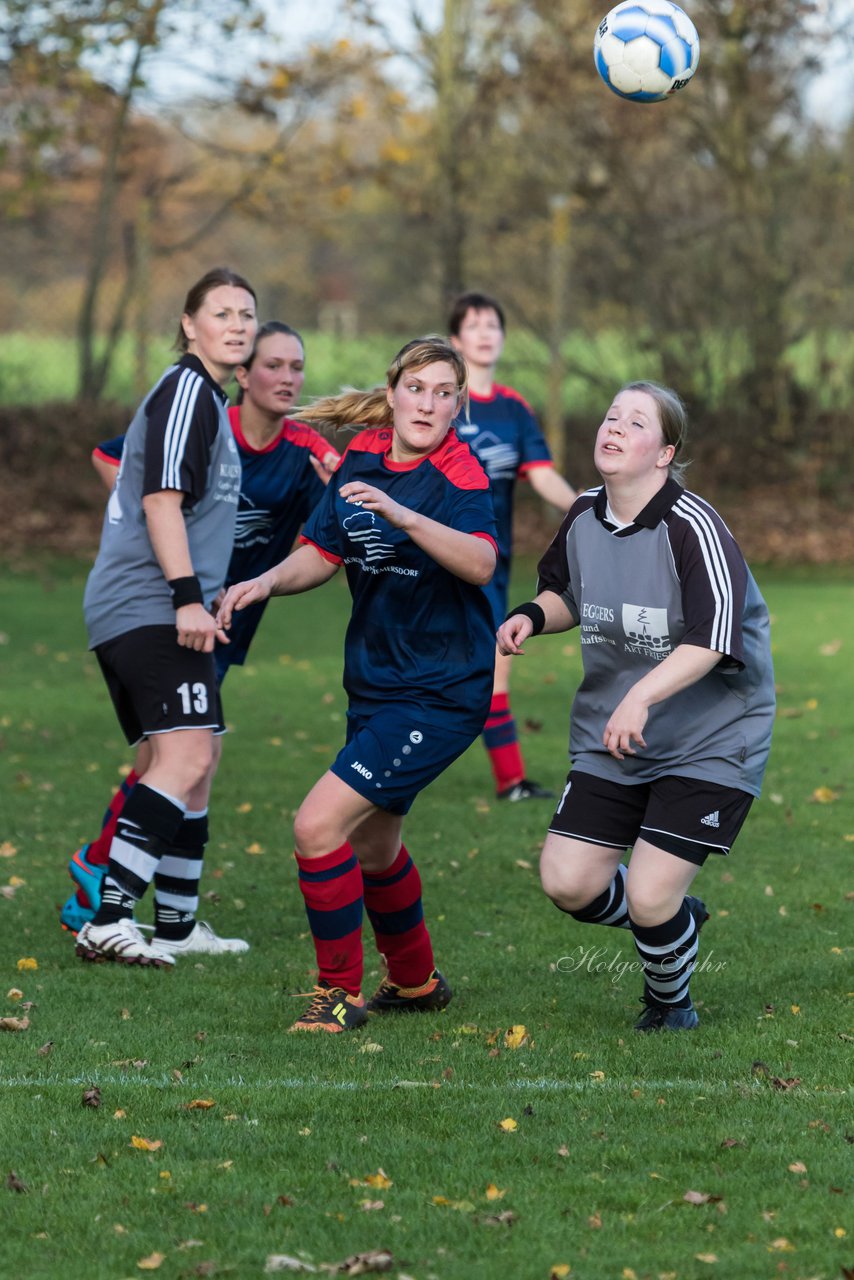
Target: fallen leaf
(195, 1208)
(797, 1166)
(119, 1114)
(699, 1197)
(781, 1245)
(14, 993)
(14, 1024)
(599, 1076)
(824, 795)
(14, 1183)
(380, 1179)
(254, 848)
(26, 963)
(146, 1144)
(559, 1271)
(516, 1036)
(791, 1082)
(370, 1206)
(91, 1097)
(706, 1257)
(152, 1262)
(563, 1150)
(200, 1104)
(495, 1193)
(505, 1218)
(508, 1125)
(284, 1262)
(370, 1047)
(45, 1049)
(594, 1221)
(7, 850)
(524, 864)
(360, 1264)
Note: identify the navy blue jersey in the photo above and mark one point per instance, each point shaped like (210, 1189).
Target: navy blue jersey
(278, 489)
(417, 633)
(505, 437)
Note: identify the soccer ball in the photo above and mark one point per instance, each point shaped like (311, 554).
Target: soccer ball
(645, 50)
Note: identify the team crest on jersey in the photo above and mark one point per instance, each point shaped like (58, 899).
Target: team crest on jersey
(646, 631)
(366, 531)
(498, 459)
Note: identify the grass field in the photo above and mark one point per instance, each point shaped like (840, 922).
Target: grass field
(40, 368)
(391, 1139)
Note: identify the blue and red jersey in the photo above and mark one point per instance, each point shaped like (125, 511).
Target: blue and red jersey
(278, 489)
(417, 632)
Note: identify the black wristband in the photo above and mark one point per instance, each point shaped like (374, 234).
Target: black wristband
(185, 591)
(533, 611)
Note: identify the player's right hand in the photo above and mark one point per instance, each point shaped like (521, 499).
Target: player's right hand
(512, 634)
(196, 628)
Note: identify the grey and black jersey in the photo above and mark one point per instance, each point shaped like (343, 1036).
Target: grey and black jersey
(180, 438)
(675, 576)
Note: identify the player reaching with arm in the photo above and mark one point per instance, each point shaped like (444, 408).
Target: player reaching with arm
(671, 725)
(504, 435)
(285, 466)
(409, 516)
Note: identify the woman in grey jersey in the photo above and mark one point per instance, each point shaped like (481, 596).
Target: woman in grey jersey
(671, 725)
(165, 546)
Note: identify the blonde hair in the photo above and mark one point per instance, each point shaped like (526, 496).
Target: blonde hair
(358, 409)
(674, 422)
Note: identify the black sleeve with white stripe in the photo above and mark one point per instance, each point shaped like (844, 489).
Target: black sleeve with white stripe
(712, 576)
(182, 423)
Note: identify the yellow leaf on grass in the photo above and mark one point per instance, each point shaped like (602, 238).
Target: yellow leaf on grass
(201, 1104)
(508, 1125)
(379, 1179)
(706, 1257)
(516, 1036)
(120, 1114)
(14, 994)
(27, 962)
(629, 1273)
(146, 1144)
(152, 1262)
(796, 1008)
(246, 807)
(597, 1075)
(839, 1232)
(255, 847)
(559, 1271)
(781, 1245)
(7, 849)
(825, 795)
(495, 1193)
(16, 882)
(440, 1201)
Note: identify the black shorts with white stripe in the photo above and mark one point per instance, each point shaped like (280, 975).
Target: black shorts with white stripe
(683, 816)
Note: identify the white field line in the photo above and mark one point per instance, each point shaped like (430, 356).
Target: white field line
(541, 1084)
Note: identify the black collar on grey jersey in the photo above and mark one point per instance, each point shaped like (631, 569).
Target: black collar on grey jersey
(653, 513)
(189, 361)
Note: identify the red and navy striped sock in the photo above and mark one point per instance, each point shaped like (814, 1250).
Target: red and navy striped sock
(332, 889)
(502, 742)
(98, 852)
(393, 904)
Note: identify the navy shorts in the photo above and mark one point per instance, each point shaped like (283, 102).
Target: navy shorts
(158, 685)
(392, 754)
(683, 816)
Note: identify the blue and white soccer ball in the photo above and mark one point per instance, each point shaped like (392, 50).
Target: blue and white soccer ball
(646, 50)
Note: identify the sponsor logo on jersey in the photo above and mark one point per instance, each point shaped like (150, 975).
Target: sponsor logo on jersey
(646, 631)
(363, 529)
(500, 461)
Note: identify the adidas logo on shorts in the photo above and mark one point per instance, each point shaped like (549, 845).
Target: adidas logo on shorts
(712, 819)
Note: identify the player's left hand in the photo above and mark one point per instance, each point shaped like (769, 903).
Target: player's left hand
(625, 726)
(373, 499)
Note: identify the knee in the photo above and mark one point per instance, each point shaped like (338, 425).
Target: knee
(313, 834)
(563, 889)
(648, 907)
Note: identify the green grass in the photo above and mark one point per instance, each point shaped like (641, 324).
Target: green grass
(39, 368)
(612, 1128)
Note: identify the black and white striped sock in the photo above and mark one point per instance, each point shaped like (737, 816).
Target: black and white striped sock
(176, 880)
(668, 953)
(610, 907)
(146, 827)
